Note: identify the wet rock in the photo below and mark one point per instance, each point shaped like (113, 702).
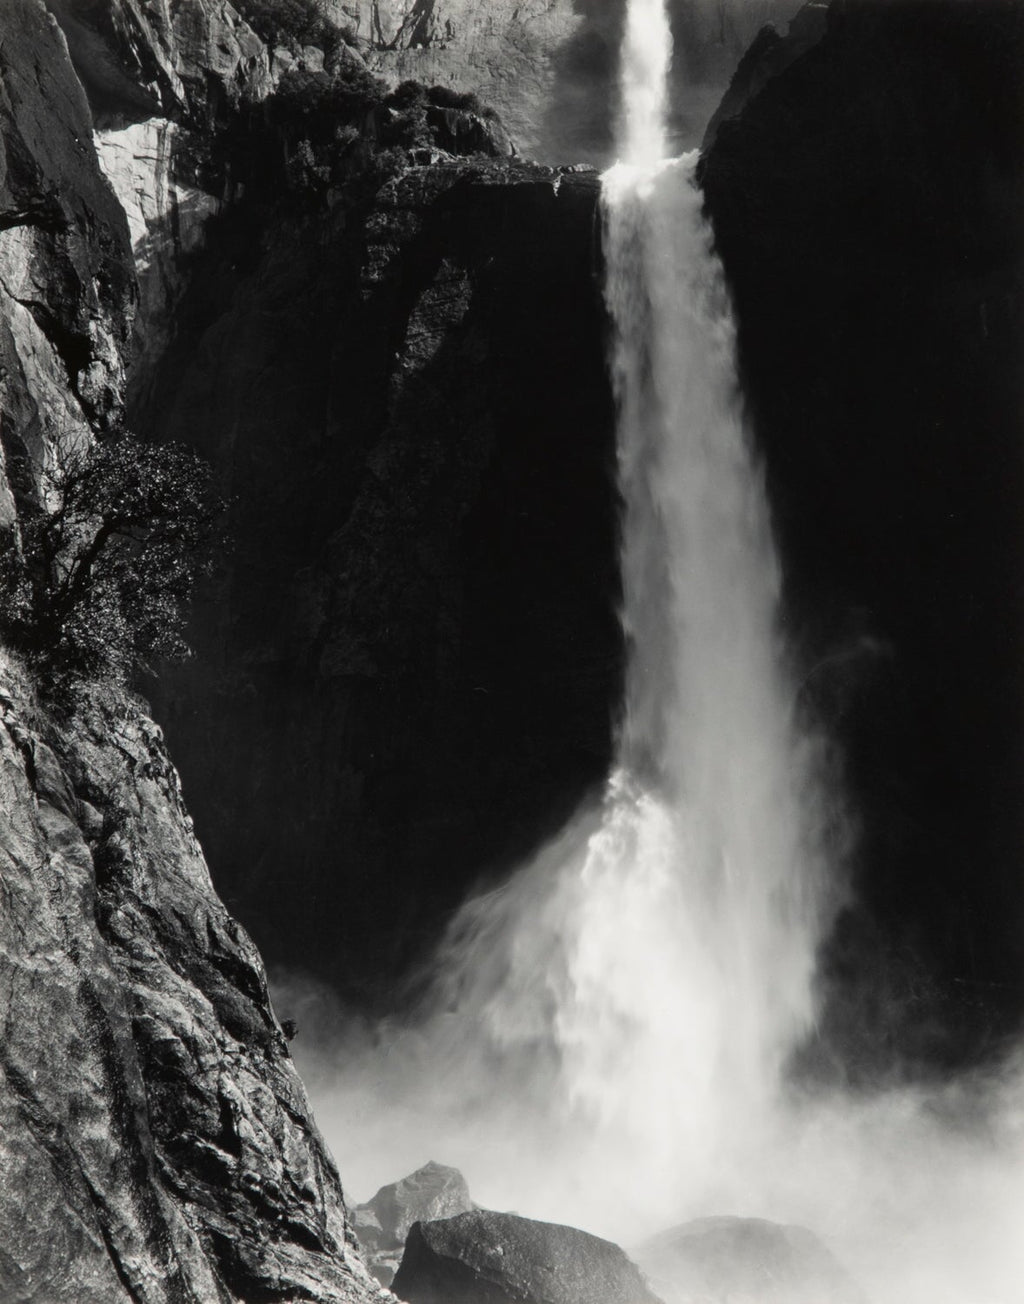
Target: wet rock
(432, 1192)
(500, 1258)
(744, 1261)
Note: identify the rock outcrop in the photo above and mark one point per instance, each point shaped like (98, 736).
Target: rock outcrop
(177, 61)
(866, 205)
(157, 1145)
(160, 80)
(66, 283)
(500, 1258)
(726, 1260)
(382, 1224)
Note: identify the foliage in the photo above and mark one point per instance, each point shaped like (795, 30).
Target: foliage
(295, 23)
(343, 128)
(97, 581)
(316, 103)
(444, 97)
(408, 95)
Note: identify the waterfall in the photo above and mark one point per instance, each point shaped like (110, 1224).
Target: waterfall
(606, 1039)
(607, 1033)
(650, 974)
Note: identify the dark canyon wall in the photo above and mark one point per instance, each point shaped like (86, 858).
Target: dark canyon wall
(867, 204)
(408, 673)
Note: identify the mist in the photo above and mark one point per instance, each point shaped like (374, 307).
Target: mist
(919, 1191)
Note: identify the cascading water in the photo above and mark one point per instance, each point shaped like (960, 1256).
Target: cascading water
(607, 1034)
(655, 970)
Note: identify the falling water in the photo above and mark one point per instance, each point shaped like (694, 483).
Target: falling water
(655, 969)
(608, 1033)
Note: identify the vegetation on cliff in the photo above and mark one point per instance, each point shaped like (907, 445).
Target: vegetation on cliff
(96, 581)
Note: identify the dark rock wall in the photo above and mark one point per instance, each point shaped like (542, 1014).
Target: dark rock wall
(414, 652)
(867, 207)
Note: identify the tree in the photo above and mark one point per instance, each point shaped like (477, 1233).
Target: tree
(96, 581)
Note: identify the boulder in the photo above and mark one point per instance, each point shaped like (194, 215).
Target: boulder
(500, 1258)
(382, 1224)
(431, 1192)
(744, 1261)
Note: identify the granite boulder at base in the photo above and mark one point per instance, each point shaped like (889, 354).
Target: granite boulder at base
(744, 1261)
(382, 1224)
(500, 1258)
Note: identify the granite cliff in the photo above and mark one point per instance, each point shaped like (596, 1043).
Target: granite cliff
(422, 674)
(156, 1144)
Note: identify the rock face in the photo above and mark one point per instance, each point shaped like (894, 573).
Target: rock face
(550, 67)
(159, 79)
(382, 1224)
(157, 1144)
(66, 288)
(866, 205)
(420, 674)
(176, 61)
(499, 1258)
(741, 1260)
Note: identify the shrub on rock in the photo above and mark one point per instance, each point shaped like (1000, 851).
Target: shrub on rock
(96, 579)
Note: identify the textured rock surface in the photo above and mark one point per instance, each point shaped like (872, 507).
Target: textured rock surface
(549, 66)
(744, 1261)
(166, 220)
(156, 1144)
(159, 79)
(66, 289)
(499, 1258)
(382, 1224)
(421, 674)
(164, 59)
(154, 1126)
(866, 204)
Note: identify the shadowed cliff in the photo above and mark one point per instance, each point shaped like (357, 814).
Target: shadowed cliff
(414, 652)
(867, 207)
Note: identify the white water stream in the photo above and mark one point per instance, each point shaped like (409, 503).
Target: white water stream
(665, 963)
